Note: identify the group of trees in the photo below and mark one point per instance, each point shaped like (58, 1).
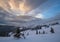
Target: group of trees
(51, 30)
(18, 33)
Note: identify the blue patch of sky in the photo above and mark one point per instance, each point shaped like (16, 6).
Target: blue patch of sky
(53, 10)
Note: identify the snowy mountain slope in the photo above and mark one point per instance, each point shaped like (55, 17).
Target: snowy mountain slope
(32, 37)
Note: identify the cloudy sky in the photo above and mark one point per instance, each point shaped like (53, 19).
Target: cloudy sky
(19, 10)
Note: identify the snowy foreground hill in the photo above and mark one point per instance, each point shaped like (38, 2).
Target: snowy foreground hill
(32, 37)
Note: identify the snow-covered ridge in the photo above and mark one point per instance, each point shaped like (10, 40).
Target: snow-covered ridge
(32, 37)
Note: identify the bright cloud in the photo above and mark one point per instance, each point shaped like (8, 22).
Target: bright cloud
(24, 6)
(39, 16)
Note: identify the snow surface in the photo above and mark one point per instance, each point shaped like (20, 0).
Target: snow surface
(32, 37)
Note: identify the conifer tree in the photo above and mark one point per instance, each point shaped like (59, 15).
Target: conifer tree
(43, 32)
(52, 30)
(17, 33)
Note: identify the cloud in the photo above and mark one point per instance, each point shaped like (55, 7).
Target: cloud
(7, 18)
(23, 6)
(11, 10)
(16, 12)
(14, 9)
(35, 3)
(39, 16)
